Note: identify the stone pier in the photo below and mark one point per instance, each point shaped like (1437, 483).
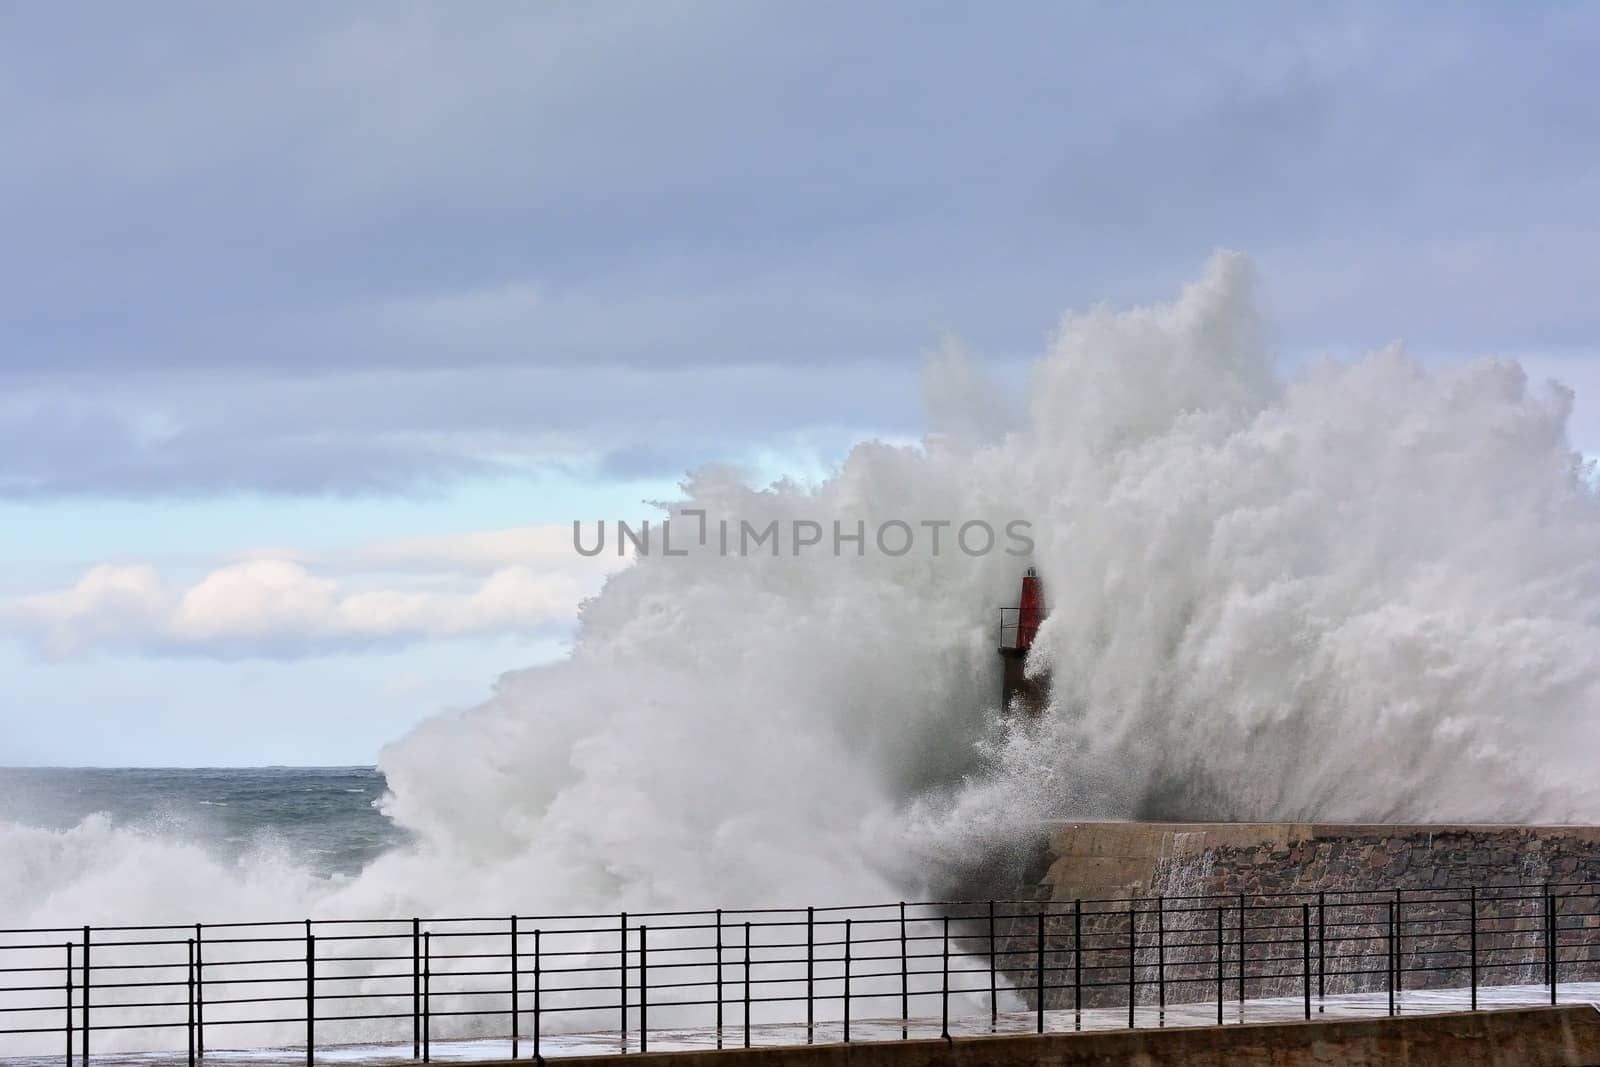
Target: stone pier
(1359, 898)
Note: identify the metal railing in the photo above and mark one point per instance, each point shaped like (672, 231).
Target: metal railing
(817, 969)
(1010, 626)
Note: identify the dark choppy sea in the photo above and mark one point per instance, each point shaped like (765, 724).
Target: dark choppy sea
(327, 816)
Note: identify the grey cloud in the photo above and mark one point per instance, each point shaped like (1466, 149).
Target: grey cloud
(248, 190)
(413, 431)
(57, 449)
(636, 462)
(373, 249)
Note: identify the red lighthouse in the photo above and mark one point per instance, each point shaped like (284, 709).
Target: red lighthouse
(1030, 610)
(1018, 627)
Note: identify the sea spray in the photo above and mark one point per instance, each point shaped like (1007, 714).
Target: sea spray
(1366, 592)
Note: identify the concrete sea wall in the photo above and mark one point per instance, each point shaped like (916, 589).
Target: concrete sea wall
(1341, 904)
(1099, 859)
(1566, 1036)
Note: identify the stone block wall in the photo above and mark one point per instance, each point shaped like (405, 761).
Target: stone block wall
(1351, 907)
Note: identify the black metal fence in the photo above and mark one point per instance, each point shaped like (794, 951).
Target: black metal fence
(733, 975)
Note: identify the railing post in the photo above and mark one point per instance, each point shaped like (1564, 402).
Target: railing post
(427, 996)
(811, 942)
(944, 985)
(416, 987)
(538, 1009)
(1038, 970)
(747, 983)
(516, 1017)
(994, 984)
(1219, 965)
(1544, 905)
(1472, 942)
(69, 1004)
(1399, 943)
(622, 976)
(1389, 952)
(311, 994)
(905, 996)
(87, 975)
(1322, 953)
(1132, 952)
(1161, 960)
(189, 989)
(1551, 954)
(1241, 956)
(644, 989)
(847, 981)
(1077, 964)
(199, 990)
(1305, 953)
(719, 977)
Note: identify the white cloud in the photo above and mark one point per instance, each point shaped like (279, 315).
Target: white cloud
(106, 602)
(283, 605)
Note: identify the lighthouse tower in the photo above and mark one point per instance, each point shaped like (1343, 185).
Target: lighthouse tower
(1018, 627)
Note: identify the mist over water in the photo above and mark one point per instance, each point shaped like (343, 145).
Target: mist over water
(1367, 592)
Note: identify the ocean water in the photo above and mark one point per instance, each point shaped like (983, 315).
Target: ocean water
(326, 816)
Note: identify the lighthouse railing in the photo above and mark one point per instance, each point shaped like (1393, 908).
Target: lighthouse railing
(1010, 627)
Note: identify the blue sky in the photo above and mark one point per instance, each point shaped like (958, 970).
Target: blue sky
(341, 313)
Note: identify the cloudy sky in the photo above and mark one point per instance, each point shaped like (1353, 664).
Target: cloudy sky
(319, 324)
